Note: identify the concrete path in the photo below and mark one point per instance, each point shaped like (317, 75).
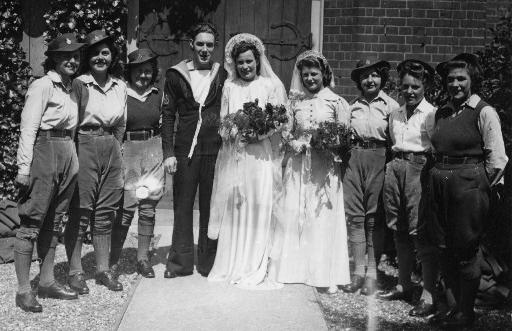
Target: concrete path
(193, 303)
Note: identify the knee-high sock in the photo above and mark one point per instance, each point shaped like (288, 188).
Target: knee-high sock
(371, 271)
(119, 232)
(143, 247)
(146, 228)
(101, 243)
(23, 249)
(46, 244)
(467, 295)
(73, 239)
(406, 259)
(429, 257)
(357, 239)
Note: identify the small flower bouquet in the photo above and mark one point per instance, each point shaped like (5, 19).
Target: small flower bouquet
(333, 138)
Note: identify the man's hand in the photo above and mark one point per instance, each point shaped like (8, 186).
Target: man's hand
(171, 165)
(22, 181)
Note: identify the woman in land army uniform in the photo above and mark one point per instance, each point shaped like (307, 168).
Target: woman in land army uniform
(364, 176)
(102, 119)
(470, 158)
(47, 170)
(410, 129)
(142, 155)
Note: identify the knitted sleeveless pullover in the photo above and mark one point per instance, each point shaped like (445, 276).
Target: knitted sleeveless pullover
(144, 115)
(458, 136)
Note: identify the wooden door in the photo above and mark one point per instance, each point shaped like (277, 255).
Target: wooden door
(283, 25)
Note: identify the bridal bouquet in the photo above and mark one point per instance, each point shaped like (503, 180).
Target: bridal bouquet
(253, 120)
(333, 138)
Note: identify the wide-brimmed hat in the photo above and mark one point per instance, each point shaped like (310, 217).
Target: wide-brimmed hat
(64, 43)
(140, 55)
(96, 37)
(416, 65)
(363, 65)
(471, 59)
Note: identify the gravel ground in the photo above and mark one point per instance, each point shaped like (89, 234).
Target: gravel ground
(99, 310)
(356, 312)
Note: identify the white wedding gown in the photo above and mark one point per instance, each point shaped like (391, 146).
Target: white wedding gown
(243, 194)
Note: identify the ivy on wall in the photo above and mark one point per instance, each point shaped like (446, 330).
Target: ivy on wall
(84, 16)
(15, 76)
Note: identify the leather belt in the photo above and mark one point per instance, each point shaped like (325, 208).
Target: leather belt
(140, 134)
(54, 133)
(445, 159)
(96, 130)
(418, 157)
(369, 144)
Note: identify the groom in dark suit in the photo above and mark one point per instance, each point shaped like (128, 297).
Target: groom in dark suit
(192, 97)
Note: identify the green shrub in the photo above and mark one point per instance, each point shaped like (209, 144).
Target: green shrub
(14, 79)
(84, 16)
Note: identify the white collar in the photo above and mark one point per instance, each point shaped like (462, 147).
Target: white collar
(141, 97)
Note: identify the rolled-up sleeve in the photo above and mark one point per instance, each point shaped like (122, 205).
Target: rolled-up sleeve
(36, 101)
(490, 128)
(343, 111)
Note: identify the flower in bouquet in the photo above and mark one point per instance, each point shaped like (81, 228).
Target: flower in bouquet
(332, 137)
(276, 115)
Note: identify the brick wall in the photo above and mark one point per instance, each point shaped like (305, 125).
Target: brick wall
(394, 30)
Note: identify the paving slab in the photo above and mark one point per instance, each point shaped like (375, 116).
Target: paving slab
(193, 303)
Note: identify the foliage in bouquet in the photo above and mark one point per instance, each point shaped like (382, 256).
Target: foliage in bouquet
(332, 137)
(252, 119)
(15, 75)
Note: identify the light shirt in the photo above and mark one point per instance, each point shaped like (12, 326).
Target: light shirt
(489, 126)
(370, 119)
(106, 106)
(413, 134)
(200, 81)
(49, 104)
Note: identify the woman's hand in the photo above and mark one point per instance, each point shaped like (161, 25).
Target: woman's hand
(171, 165)
(233, 132)
(298, 146)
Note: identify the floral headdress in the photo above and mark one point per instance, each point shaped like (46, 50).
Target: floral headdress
(296, 85)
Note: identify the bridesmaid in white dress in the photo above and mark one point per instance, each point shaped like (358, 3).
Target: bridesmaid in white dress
(243, 189)
(310, 240)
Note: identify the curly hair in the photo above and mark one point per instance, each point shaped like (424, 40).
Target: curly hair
(474, 71)
(116, 67)
(205, 27)
(383, 73)
(243, 47)
(155, 71)
(417, 71)
(314, 62)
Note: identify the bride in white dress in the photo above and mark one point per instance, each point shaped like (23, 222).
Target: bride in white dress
(246, 177)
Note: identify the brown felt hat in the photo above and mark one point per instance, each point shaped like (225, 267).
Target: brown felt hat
(64, 43)
(471, 59)
(96, 37)
(363, 65)
(141, 55)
